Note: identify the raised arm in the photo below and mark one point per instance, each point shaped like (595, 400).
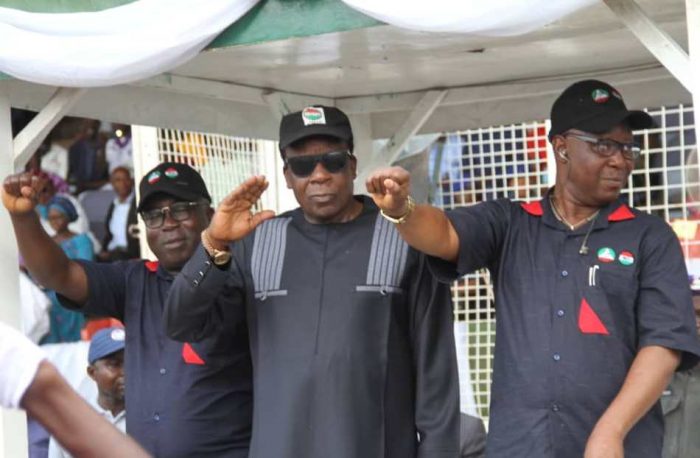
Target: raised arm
(427, 228)
(43, 257)
(203, 293)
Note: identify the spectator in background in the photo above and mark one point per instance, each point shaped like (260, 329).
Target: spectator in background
(35, 306)
(118, 151)
(66, 133)
(32, 383)
(120, 243)
(56, 186)
(87, 164)
(66, 324)
(681, 406)
(106, 368)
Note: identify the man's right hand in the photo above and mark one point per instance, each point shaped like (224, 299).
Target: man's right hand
(389, 188)
(20, 192)
(234, 218)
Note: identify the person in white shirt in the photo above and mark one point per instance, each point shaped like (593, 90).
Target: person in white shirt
(118, 150)
(63, 136)
(30, 382)
(120, 241)
(106, 368)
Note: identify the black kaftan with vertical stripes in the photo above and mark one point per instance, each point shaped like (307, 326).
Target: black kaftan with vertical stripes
(351, 338)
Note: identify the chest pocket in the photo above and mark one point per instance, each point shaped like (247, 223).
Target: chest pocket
(618, 281)
(387, 260)
(267, 259)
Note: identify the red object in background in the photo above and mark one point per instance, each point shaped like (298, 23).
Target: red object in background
(536, 143)
(95, 324)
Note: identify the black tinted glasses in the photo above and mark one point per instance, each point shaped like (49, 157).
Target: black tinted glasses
(179, 211)
(303, 166)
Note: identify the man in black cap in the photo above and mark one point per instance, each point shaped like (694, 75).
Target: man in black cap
(184, 400)
(593, 307)
(351, 337)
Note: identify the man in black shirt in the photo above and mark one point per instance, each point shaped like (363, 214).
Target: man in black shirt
(592, 300)
(183, 399)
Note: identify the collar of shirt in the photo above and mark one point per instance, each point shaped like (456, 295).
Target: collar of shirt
(613, 212)
(127, 201)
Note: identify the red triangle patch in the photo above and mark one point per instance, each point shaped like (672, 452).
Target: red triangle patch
(151, 266)
(622, 213)
(588, 320)
(534, 208)
(190, 356)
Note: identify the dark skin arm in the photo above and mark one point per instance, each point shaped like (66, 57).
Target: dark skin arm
(43, 258)
(76, 425)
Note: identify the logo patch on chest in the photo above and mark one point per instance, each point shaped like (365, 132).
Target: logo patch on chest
(626, 258)
(606, 254)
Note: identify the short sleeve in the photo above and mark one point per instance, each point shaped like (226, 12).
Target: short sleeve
(665, 314)
(481, 229)
(106, 289)
(20, 359)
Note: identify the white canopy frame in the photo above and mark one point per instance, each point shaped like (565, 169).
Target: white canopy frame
(422, 106)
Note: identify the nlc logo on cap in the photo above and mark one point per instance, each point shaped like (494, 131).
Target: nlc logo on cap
(600, 96)
(313, 115)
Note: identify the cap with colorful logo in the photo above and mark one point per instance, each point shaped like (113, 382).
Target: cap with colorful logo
(174, 179)
(314, 120)
(596, 107)
(106, 342)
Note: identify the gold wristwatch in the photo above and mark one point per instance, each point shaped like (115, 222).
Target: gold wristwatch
(218, 257)
(410, 206)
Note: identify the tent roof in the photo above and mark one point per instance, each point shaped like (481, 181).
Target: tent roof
(285, 54)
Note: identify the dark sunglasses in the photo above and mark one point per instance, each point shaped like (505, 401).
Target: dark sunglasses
(179, 211)
(303, 166)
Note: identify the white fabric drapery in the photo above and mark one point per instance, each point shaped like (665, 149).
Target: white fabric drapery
(113, 46)
(479, 17)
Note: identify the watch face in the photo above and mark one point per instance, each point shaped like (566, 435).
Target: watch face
(221, 257)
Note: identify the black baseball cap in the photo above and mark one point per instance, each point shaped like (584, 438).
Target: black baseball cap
(174, 179)
(596, 107)
(315, 120)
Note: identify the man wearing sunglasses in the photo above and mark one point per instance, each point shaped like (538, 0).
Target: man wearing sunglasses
(351, 337)
(184, 399)
(593, 307)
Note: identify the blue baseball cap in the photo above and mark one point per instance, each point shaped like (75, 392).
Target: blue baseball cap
(105, 342)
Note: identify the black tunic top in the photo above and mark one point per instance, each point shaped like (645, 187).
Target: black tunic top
(570, 324)
(351, 338)
(182, 400)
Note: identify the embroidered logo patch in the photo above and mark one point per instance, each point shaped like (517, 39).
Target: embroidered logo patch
(600, 96)
(313, 115)
(171, 172)
(154, 177)
(626, 258)
(606, 254)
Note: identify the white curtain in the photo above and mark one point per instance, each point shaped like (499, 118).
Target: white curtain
(113, 46)
(479, 17)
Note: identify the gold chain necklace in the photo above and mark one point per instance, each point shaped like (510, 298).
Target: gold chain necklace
(564, 221)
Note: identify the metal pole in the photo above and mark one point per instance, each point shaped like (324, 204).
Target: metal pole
(13, 424)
